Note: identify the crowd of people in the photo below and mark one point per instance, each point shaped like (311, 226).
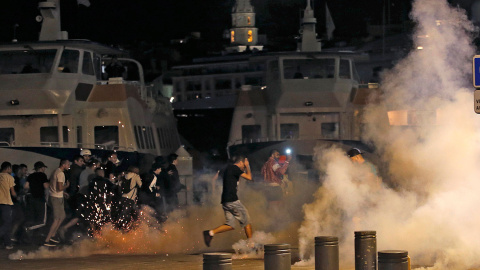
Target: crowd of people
(85, 193)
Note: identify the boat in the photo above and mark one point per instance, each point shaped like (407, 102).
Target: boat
(57, 100)
(309, 98)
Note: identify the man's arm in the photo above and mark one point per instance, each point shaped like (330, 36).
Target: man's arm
(283, 169)
(248, 173)
(12, 191)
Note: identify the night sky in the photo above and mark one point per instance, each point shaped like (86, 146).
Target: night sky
(120, 21)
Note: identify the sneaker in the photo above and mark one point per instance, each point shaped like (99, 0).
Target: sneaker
(9, 247)
(207, 238)
(54, 240)
(49, 244)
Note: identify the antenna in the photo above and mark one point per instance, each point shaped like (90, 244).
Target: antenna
(15, 32)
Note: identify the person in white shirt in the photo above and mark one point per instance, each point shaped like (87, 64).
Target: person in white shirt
(58, 185)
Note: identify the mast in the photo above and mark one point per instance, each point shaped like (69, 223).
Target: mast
(51, 27)
(309, 42)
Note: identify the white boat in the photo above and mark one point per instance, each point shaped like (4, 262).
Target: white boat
(309, 97)
(56, 100)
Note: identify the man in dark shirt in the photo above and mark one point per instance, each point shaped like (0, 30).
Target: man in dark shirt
(232, 206)
(36, 185)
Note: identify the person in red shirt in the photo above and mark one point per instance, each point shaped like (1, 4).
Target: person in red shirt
(273, 173)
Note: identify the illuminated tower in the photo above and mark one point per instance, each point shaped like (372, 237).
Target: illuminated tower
(243, 32)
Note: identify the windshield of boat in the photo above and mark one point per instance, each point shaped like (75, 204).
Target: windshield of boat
(26, 61)
(309, 68)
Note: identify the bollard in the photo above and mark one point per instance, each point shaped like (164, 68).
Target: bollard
(326, 253)
(393, 260)
(365, 250)
(217, 261)
(277, 257)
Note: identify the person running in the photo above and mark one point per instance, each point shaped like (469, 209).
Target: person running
(232, 206)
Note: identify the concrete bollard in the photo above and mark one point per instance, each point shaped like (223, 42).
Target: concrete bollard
(326, 253)
(217, 261)
(365, 250)
(277, 257)
(393, 260)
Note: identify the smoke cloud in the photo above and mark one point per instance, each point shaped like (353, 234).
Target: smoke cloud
(427, 137)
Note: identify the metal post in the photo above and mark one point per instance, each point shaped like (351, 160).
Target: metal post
(393, 260)
(365, 250)
(277, 257)
(326, 253)
(217, 261)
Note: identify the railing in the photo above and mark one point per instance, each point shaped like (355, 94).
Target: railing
(113, 147)
(267, 139)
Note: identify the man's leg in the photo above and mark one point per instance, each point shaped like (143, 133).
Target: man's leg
(6, 228)
(222, 228)
(248, 230)
(53, 229)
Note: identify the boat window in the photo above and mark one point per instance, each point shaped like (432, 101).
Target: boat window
(223, 83)
(251, 133)
(132, 72)
(160, 137)
(253, 81)
(106, 137)
(87, 67)
(7, 136)
(152, 138)
(69, 61)
(344, 71)
(330, 130)
(194, 86)
(289, 131)
(137, 139)
(140, 137)
(309, 68)
(49, 135)
(146, 135)
(26, 61)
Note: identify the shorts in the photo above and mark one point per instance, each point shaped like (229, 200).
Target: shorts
(273, 193)
(58, 207)
(235, 210)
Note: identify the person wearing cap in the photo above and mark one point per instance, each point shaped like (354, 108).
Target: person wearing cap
(37, 184)
(356, 156)
(372, 180)
(87, 154)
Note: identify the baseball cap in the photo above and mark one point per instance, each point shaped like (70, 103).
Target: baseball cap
(85, 152)
(39, 165)
(353, 152)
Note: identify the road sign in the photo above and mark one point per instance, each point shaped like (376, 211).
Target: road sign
(476, 71)
(476, 105)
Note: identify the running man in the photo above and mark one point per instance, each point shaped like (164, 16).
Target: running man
(232, 206)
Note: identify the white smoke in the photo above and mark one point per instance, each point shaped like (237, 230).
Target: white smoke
(427, 204)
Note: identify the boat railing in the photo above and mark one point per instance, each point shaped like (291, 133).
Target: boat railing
(269, 139)
(114, 147)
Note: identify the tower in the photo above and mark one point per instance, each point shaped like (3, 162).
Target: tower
(243, 32)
